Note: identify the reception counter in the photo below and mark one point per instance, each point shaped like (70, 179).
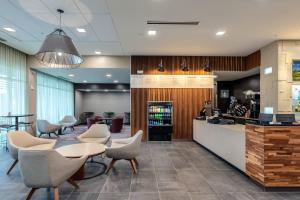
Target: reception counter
(227, 141)
(269, 155)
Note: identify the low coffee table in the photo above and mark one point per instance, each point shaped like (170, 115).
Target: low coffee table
(84, 149)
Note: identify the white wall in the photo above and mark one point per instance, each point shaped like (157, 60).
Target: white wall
(99, 102)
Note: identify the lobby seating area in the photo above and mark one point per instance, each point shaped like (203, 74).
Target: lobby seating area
(149, 100)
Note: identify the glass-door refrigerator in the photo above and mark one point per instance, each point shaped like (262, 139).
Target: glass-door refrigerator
(160, 120)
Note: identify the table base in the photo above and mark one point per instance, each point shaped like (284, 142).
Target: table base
(81, 173)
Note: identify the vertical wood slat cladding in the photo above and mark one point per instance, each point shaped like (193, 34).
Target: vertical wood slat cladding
(252, 60)
(273, 155)
(172, 64)
(187, 104)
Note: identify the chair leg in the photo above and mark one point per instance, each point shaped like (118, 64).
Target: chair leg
(12, 166)
(136, 162)
(56, 134)
(31, 193)
(73, 183)
(56, 193)
(111, 164)
(133, 166)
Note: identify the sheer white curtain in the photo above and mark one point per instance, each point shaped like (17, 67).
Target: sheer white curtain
(55, 98)
(12, 81)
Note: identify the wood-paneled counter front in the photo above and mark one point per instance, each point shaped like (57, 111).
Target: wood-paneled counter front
(273, 155)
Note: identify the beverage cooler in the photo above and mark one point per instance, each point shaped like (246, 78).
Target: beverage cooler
(160, 120)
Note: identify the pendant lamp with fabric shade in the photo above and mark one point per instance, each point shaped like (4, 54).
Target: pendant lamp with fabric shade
(58, 50)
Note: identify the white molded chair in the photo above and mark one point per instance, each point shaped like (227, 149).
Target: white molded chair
(47, 169)
(127, 149)
(44, 127)
(97, 133)
(68, 122)
(17, 140)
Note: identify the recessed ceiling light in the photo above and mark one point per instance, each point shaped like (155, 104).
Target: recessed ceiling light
(151, 32)
(85, 81)
(108, 75)
(88, 90)
(59, 53)
(124, 90)
(9, 29)
(106, 90)
(98, 52)
(220, 33)
(71, 75)
(81, 30)
(116, 81)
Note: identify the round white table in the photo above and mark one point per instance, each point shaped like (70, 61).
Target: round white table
(84, 149)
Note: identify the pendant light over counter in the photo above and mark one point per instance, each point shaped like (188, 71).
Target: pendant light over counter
(58, 50)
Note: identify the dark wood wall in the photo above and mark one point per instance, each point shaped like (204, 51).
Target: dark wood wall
(172, 64)
(187, 104)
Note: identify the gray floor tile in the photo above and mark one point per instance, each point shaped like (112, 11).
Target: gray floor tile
(174, 196)
(113, 196)
(144, 196)
(200, 196)
(83, 196)
(234, 196)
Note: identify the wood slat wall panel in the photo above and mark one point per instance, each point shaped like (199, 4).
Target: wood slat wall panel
(273, 155)
(187, 103)
(172, 64)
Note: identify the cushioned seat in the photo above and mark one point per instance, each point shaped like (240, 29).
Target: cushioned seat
(17, 140)
(127, 149)
(97, 133)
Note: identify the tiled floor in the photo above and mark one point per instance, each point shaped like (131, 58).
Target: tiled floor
(168, 171)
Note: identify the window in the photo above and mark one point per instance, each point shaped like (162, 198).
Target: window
(55, 98)
(12, 81)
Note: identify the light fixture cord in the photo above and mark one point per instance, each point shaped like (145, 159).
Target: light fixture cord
(60, 20)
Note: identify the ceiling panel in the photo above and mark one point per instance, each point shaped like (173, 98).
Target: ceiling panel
(20, 34)
(67, 5)
(34, 6)
(92, 6)
(107, 48)
(104, 27)
(91, 75)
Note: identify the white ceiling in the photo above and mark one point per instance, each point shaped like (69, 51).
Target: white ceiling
(118, 27)
(91, 75)
(231, 76)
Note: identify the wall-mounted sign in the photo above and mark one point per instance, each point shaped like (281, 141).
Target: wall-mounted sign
(172, 81)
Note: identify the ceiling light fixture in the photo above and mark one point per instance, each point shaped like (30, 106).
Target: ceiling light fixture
(9, 29)
(220, 33)
(184, 66)
(59, 42)
(152, 32)
(71, 75)
(108, 75)
(124, 90)
(116, 81)
(98, 52)
(81, 30)
(106, 90)
(85, 81)
(161, 67)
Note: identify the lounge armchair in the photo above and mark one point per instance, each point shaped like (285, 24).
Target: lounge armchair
(97, 133)
(127, 149)
(68, 122)
(44, 127)
(20, 139)
(47, 169)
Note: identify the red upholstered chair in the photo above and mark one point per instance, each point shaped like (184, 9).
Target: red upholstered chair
(117, 125)
(93, 120)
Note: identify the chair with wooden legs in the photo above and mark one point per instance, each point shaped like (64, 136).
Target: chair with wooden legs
(47, 169)
(20, 139)
(125, 149)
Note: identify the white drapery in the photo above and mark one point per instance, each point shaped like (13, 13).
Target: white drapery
(55, 98)
(12, 81)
